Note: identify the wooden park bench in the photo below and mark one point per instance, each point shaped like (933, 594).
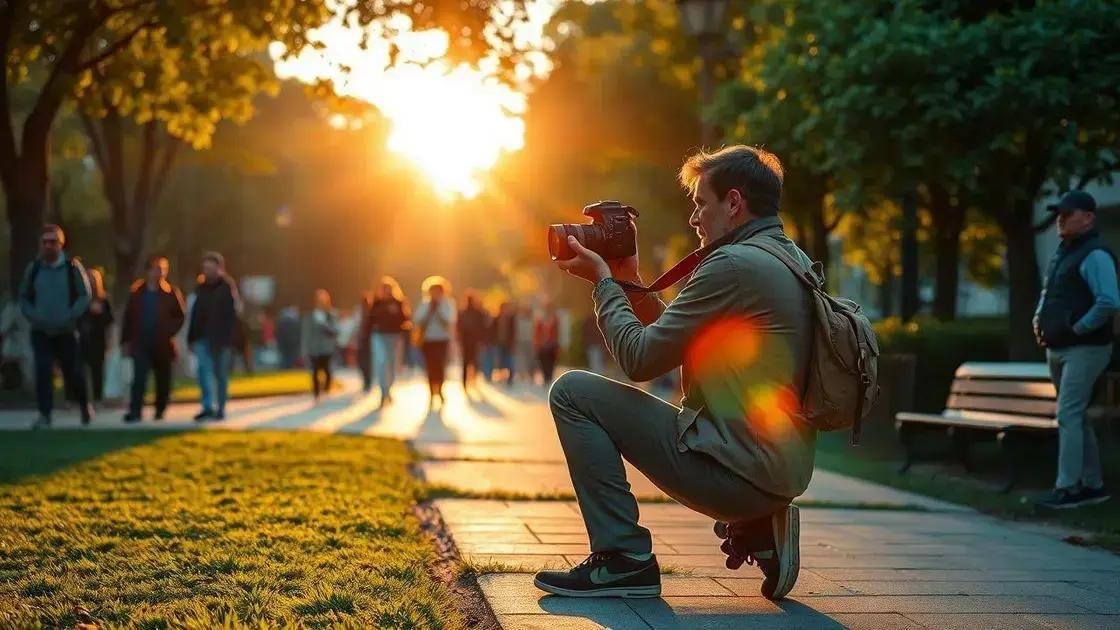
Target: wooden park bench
(1014, 402)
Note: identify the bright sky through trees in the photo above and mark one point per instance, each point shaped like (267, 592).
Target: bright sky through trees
(452, 123)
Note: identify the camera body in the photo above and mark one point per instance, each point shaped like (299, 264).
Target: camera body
(610, 234)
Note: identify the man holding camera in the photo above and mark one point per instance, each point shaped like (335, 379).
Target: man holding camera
(737, 451)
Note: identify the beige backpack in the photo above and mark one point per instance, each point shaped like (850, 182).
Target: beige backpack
(842, 382)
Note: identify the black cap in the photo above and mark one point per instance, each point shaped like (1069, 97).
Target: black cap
(1074, 200)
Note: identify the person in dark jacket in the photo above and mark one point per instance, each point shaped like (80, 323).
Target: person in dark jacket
(362, 343)
(153, 316)
(93, 333)
(505, 338)
(471, 331)
(211, 334)
(388, 318)
(53, 296)
(1073, 321)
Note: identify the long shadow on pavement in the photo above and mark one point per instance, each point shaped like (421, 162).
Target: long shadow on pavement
(691, 613)
(482, 406)
(29, 453)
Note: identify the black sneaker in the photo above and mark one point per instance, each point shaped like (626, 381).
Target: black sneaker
(205, 414)
(129, 418)
(1093, 496)
(604, 574)
(781, 564)
(42, 422)
(158, 416)
(221, 415)
(1062, 499)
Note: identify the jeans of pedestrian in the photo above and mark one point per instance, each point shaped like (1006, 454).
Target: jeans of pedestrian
(1075, 372)
(505, 361)
(486, 356)
(470, 351)
(547, 358)
(384, 351)
(600, 422)
(63, 350)
(213, 374)
(143, 361)
(321, 365)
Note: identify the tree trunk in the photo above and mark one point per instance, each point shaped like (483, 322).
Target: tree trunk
(26, 202)
(911, 300)
(948, 222)
(886, 295)
(820, 234)
(1023, 283)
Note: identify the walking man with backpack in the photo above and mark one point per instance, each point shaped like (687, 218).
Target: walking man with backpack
(53, 297)
(741, 447)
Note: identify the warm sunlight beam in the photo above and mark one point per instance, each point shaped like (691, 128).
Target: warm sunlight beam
(451, 123)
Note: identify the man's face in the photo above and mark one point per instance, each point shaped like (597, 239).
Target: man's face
(436, 293)
(158, 270)
(210, 269)
(1075, 223)
(712, 218)
(50, 246)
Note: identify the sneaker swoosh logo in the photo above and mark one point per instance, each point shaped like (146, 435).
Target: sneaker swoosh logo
(601, 576)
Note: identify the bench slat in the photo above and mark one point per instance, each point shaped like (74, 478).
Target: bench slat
(1028, 406)
(1022, 389)
(1020, 371)
(979, 419)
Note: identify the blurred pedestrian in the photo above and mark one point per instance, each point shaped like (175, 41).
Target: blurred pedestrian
(594, 346)
(435, 320)
(525, 360)
(53, 296)
(152, 317)
(471, 331)
(546, 341)
(213, 322)
(505, 339)
(93, 333)
(287, 336)
(362, 341)
(388, 320)
(320, 341)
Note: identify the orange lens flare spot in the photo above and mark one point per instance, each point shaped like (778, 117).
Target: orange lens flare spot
(724, 345)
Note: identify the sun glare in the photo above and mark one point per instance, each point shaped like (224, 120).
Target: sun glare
(451, 123)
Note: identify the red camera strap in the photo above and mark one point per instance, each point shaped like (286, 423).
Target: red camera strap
(686, 266)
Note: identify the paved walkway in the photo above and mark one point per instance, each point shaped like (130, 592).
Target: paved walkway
(910, 562)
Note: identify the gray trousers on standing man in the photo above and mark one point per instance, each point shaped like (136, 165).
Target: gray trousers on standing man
(1075, 371)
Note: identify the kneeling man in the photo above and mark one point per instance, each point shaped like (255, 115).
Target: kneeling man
(737, 451)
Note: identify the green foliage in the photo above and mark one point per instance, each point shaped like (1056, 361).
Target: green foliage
(939, 348)
(216, 529)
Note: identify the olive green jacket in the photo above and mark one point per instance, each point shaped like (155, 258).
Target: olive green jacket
(740, 331)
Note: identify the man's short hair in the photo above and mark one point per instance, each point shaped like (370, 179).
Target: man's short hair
(215, 258)
(51, 228)
(756, 173)
(157, 259)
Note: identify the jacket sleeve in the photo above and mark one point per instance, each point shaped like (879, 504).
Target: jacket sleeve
(178, 312)
(25, 305)
(81, 285)
(1099, 271)
(646, 352)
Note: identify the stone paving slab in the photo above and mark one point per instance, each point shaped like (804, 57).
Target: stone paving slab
(972, 572)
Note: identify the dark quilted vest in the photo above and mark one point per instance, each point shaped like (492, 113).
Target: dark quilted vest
(1067, 297)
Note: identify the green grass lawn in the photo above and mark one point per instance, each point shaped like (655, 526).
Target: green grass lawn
(878, 461)
(213, 529)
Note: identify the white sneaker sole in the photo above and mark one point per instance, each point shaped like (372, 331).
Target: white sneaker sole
(787, 536)
(617, 591)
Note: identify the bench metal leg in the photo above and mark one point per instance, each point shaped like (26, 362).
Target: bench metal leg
(962, 441)
(906, 438)
(1009, 446)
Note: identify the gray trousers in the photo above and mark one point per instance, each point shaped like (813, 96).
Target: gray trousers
(600, 422)
(1075, 372)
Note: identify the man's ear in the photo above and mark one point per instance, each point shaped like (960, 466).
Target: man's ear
(737, 203)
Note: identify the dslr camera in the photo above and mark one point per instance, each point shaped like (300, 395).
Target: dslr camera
(610, 233)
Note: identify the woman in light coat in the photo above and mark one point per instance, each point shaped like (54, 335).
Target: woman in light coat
(435, 322)
(320, 341)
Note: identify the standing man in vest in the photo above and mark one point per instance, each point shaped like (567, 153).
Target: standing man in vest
(1073, 322)
(737, 451)
(53, 296)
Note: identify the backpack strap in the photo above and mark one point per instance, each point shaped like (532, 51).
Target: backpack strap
(71, 283)
(30, 294)
(807, 278)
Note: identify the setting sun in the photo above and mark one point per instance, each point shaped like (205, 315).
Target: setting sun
(451, 123)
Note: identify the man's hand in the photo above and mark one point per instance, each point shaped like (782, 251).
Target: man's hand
(586, 264)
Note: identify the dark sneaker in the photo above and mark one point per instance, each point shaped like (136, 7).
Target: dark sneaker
(158, 416)
(221, 415)
(205, 414)
(1062, 499)
(87, 413)
(129, 418)
(604, 574)
(781, 563)
(1094, 496)
(42, 422)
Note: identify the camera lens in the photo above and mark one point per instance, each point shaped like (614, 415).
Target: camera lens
(558, 242)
